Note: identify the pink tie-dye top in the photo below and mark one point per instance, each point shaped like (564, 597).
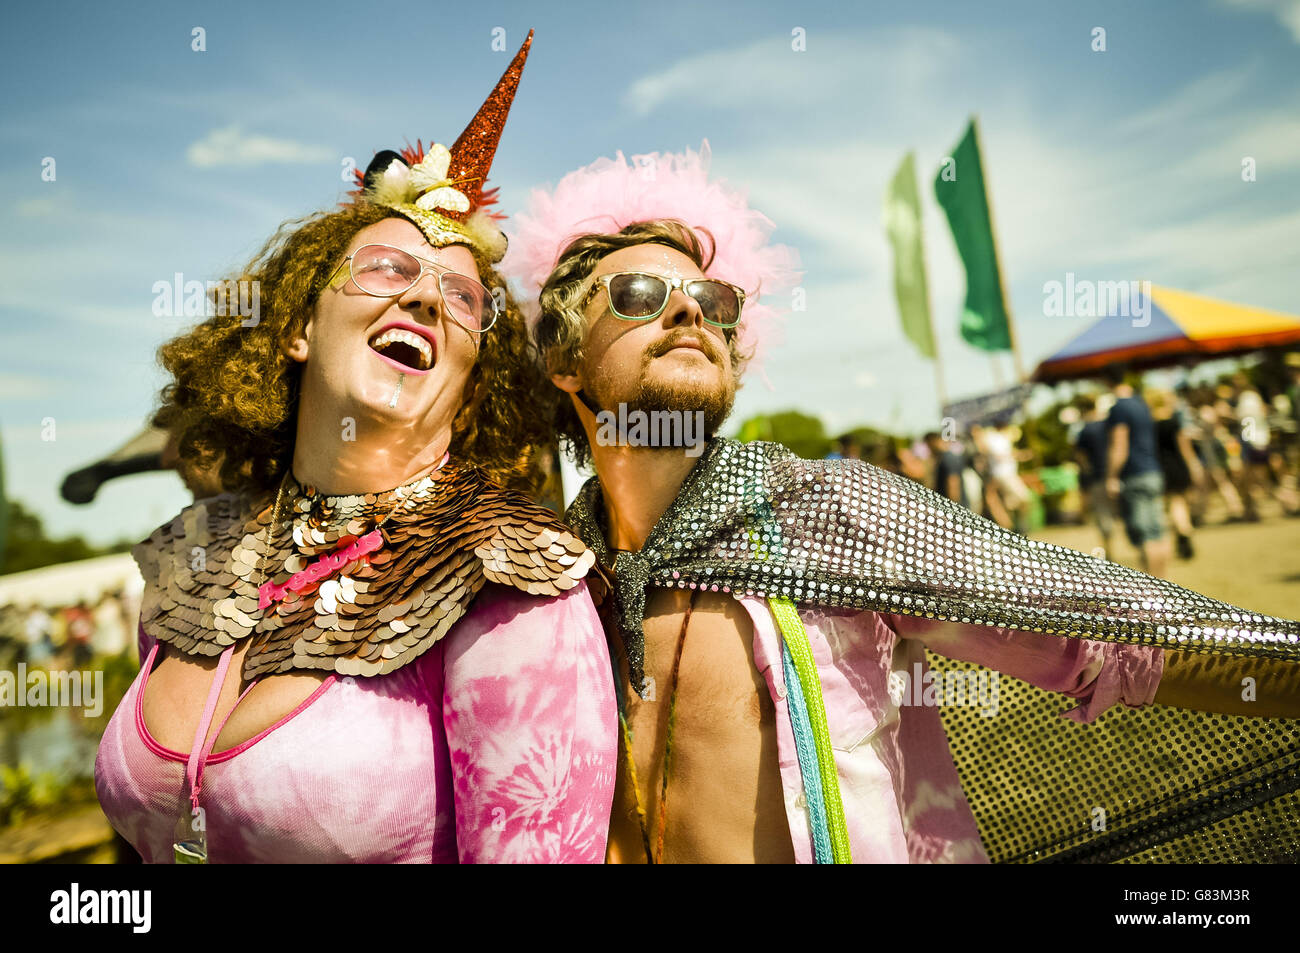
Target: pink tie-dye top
(498, 744)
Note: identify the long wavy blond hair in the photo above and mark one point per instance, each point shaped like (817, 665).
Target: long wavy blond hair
(232, 401)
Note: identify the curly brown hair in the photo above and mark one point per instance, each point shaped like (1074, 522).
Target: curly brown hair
(232, 402)
(562, 329)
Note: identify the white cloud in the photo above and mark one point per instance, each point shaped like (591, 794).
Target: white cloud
(1205, 95)
(231, 146)
(770, 73)
(21, 386)
(85, 314)
(44, 206)
(1148, 189)
(1286, 11)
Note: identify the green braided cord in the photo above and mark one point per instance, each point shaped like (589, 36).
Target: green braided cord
(636, 787)
(792, 630)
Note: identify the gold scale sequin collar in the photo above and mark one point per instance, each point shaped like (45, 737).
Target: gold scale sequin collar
(359, 585)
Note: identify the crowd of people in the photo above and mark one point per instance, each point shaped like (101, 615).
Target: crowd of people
(983, 471)
(1156, 462)
(68, 637)
(1227, 450)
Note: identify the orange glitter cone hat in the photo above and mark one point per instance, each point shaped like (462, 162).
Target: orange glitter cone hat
(442, 191)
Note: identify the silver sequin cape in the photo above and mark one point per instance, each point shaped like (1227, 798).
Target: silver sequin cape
(755, 519)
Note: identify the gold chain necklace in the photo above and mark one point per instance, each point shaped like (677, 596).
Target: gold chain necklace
(279, 496)
(271, 527)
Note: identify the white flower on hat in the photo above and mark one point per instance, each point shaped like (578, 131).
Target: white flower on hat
(429, 179)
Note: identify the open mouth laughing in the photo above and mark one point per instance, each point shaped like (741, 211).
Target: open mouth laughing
(407, 347)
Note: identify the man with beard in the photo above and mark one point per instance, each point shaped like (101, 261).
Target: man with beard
(801, 723)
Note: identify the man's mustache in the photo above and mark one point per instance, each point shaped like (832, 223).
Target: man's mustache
(678, 338)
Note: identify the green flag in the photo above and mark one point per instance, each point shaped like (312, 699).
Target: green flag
(959, 187)
(903, 226)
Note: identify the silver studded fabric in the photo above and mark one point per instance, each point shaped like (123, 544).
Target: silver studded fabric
(753, 518)
(1175, 784)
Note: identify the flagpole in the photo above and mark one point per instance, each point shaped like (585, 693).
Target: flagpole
(934, 338)
(997, 258)
(938, 370)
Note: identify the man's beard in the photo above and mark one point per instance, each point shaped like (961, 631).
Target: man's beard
(713, 398)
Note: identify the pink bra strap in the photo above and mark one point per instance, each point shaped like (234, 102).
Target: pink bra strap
(202, 744)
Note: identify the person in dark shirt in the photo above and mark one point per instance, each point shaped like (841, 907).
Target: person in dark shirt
(1091, 447)
(1178, 462)
(846, 448)
(949, 465)
(1133, 472)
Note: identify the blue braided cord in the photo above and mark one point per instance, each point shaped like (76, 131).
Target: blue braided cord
(807, 749)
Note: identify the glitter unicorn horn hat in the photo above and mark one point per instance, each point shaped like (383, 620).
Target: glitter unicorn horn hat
(442, 191)
(610, 194)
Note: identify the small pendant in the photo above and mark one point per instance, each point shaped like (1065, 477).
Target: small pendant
(190, 846)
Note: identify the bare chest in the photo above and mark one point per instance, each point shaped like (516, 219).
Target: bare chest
(724, 797)
(719, 691)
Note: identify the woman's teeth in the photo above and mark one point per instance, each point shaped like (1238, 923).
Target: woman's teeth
(405, 347)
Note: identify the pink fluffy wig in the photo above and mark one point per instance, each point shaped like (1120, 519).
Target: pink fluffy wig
(610, 194)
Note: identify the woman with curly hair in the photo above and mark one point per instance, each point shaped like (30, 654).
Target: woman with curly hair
(419, 674)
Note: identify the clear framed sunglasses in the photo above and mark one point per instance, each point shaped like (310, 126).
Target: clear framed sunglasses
(386, 272)
(641, 296)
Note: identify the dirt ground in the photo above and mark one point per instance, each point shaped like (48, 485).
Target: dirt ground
(1252, 565)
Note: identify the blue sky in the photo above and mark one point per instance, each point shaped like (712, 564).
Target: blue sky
(1122, 164)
